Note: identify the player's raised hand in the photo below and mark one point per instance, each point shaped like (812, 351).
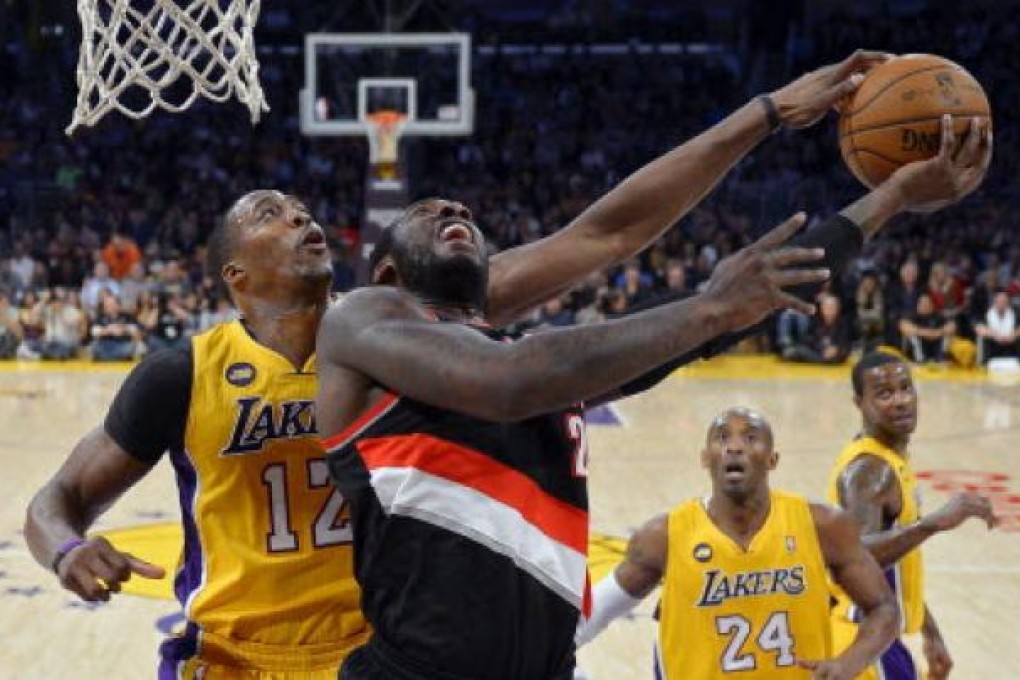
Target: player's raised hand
(806, 100)
(830, 669)
(750, 284)
(959, 509)
(95, 569)
(929, 185)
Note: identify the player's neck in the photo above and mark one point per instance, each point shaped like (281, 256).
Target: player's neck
(287, 329)
(740, 518)
(896, 442)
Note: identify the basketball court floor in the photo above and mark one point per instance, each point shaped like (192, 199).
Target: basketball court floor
(644, 459)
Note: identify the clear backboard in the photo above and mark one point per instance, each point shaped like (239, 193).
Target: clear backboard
(424, 77)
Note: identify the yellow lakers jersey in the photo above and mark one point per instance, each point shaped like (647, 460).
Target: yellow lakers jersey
(727, 611)
(906, 577)
(266, 578)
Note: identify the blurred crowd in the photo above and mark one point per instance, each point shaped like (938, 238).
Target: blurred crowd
(101, 235)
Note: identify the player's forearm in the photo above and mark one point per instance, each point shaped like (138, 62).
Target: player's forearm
(52, 519)
(554, 369)
(875, 208)
(930, 629)
(889, 547)
(660, 193)
(877, 631)
(610, 601)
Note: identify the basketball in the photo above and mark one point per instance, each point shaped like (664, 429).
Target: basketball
(893, 118)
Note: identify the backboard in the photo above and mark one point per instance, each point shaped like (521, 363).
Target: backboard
(424, 76)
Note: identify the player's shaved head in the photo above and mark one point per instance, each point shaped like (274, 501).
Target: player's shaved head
(749, 415)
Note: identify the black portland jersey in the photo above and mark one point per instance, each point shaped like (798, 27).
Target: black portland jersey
(470, 536)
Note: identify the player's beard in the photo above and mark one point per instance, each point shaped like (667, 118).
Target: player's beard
(458, 280)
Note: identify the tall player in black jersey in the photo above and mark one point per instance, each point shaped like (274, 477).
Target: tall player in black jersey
(462, 451)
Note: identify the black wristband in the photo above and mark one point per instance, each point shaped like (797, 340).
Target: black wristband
(771, 112)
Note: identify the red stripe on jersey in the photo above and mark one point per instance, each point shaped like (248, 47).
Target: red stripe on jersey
(335, 441)
(559, 520)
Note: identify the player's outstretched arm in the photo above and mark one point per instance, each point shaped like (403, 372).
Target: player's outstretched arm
(633, 579)
(385, 336)
(96, 474)
(921, 186)
(869, 491)
(643, 206)
(856, 571)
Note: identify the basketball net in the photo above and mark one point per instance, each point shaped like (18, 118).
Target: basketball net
(383, 139)
(207, 42)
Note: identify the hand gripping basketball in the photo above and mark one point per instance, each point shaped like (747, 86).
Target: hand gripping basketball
(927, 186)
(749, 285)
(95, 569)
(806, 100)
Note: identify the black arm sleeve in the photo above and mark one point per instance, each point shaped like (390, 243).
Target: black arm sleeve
(150, 411)
(842, 240)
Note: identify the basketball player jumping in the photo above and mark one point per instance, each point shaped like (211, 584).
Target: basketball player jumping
(874, 481)
(462, 450)
(744, 573)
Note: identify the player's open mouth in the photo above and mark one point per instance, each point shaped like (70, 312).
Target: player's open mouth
(315, 239)
(733, 471)
(456, 231)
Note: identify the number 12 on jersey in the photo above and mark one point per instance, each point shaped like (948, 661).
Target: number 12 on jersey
(329, 528)
(774, 638)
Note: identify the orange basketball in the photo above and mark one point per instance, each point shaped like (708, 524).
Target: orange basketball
(893, 118)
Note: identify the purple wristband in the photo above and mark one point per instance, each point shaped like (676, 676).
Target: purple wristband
(62, 551)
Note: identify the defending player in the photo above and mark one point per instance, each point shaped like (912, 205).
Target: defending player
(744, 573)
(874, 481)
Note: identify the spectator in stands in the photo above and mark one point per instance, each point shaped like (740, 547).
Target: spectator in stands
(944, 290)
(982, 296)
(902, 298)
(10, 328)
(132, 286)
(92, 289)
(675, 285)
(173, 278)
(166, 323)
(870, 311)
(25, 271)
(998, 335)
(926, 333)
(828, 339)
(635, 284)
(64, 327)
(792, 329)
(555, 313)
(216, 309)
(32, 328)
(120, 255)
(115, 334)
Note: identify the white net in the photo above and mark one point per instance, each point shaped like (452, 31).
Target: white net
(139, 55)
